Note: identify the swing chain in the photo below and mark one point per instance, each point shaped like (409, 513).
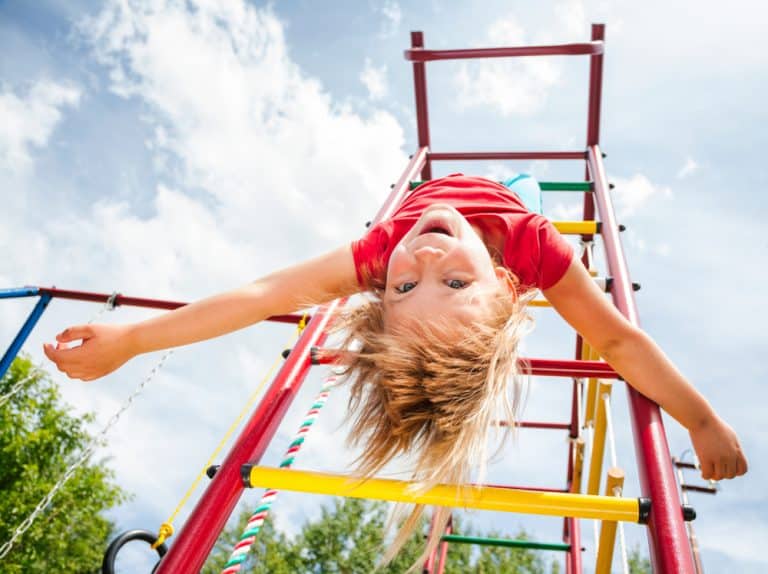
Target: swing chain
(97, 440)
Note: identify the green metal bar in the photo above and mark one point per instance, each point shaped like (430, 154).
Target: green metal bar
(506, 542)
(584, 186)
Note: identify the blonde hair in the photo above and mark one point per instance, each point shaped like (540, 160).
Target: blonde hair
(420, 393)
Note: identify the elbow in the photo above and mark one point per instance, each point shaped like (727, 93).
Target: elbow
(619, 345)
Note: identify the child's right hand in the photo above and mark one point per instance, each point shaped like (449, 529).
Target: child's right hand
(103, 349)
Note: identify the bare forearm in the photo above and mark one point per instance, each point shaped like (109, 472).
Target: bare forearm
(201, 320)
(644, 366)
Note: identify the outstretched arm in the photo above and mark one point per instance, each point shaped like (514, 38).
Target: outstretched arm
(104, 348)
(637, 358)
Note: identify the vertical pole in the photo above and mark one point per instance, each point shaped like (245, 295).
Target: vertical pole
(420, 90)
(573, 537)
(595, 88)
(670, 549)
(21, 336)
(614, 483)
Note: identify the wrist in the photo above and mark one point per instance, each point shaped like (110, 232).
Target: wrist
(133, 340)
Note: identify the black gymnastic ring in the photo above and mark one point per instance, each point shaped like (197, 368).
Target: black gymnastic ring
(108, 565)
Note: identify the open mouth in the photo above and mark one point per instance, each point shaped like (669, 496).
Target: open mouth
(437, 229)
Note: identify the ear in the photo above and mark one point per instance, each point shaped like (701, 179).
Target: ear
(507, 278)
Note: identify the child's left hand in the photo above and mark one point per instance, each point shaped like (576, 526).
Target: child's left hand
(718, 449)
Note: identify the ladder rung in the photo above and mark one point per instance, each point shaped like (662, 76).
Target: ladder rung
(462, 496)
(506, 543)
(584, 186)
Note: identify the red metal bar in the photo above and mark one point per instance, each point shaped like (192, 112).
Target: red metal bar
(444, 548)
(198, 535)
(506, 155)
(595, 86)
(420, 91)
(536, 425)
(536, 367)
(573, 537)
(124, 300)
(669, 546)
(587, 48)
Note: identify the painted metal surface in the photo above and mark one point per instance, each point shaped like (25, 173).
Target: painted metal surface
(586, 48)
(669, 547)
(481, 498)
(21, 336)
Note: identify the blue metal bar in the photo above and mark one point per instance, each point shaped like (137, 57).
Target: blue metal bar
(19, 292)
(24, 332)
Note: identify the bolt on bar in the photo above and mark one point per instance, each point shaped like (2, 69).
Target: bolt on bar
(465, 496)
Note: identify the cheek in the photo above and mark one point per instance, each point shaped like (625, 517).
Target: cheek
(399, 262)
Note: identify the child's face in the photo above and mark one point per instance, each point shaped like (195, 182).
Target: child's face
(440, 270)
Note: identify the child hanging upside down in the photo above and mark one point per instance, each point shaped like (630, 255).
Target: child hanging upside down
(432, 356)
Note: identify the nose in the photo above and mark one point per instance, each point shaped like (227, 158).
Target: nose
(428, 254)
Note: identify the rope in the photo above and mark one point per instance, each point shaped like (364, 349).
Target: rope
(248, 537)
(166, 528)
(87, 453)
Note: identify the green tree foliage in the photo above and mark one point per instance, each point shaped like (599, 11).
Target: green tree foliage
(638, 564)
(348, 538)
(39, 438)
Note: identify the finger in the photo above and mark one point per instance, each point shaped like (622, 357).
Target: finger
(707, 470)
(75, 333)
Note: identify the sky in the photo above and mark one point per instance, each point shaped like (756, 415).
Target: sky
(174, 149)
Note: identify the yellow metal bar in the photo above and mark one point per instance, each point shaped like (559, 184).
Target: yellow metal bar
(463, 496)
(577, 227)
(539, 303)
(578, 464)
(598, 439)
(589, 354)
(613, 485)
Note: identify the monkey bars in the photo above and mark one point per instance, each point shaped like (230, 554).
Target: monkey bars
(659, 503)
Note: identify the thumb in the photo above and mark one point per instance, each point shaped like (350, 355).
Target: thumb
(74, 333)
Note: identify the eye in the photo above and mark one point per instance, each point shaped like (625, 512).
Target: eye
(405, 287)
(456, 283)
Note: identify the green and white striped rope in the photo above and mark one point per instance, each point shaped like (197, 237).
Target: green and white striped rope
(255, 522)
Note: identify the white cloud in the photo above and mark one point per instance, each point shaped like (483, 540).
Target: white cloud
(518, 86)
(27, 121)
(572, 18)
(632, 194)
(393, 15)
(689, 168)
(375, 80)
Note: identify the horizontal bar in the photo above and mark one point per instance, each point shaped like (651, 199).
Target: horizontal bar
(536, 425)
(19, 292)
(580, 49)
(126, 301)
(577, 227)
(681, 464)
(536, 367)
(463, 496)
(504, 155)
(506, 543)
(696, 488)
(585, 186)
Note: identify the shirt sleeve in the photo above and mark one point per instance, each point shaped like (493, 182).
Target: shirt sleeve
(555, 254)
(368, 253)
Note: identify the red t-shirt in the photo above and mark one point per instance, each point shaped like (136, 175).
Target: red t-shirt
(533, 249)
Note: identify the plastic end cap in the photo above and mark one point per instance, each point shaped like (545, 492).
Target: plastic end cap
(598, 227)
(314, 355)
(285, 353)
(644, 510)
(608, 284)
(689, 513)
(211, 471)
(622, 227)
(368, 223)
(611, 186)
(245, 474)
(636, 286)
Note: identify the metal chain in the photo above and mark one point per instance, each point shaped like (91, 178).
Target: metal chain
(24, 526)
